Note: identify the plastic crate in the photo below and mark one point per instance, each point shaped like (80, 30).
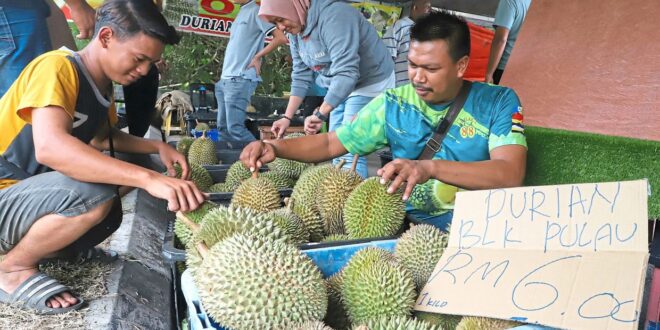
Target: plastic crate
(328, 259)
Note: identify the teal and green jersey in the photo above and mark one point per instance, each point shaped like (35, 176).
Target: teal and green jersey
(491, 117)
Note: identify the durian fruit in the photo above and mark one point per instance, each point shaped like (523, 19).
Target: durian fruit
(332, 194)
(444, 321)
(419, 249)
(304, 197)
(199, 175)
(182, 232)
(236, 174)
(310, 218)
(395, 323)
(370, 211)
(183, 145)
(201, 127)
(202, 152)
(336, 238)
(220, 187)
(376, 285)
(281, 182)
(290, 223)
(257, 193)
(485, 323)
(336, 316)
(311, 325)
(286, 167)
(222, 222)
(247, 282)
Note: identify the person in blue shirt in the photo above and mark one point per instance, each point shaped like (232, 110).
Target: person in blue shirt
(352, 62)
(24, 33)
(509, 17)
(485, 147)
(241, 69)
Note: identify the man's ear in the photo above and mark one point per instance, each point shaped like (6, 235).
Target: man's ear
(104, 35)
(462, 65)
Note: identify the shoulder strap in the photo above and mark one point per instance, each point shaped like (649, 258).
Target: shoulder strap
(434, 144)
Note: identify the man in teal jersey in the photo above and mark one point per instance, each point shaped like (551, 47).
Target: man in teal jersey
(484, 149)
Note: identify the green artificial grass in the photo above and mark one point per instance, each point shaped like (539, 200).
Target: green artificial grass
(561, 157)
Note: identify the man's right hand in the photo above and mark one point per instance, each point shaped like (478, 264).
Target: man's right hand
(181, 195)
(256, 154)
(83, 16)
(279, 127)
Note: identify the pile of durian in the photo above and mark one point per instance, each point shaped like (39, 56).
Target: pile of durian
(283, 173)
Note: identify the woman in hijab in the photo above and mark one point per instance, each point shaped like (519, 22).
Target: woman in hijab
(333, 39)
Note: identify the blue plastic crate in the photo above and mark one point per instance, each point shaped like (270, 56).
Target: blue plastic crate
(329, 260)
(211, 134)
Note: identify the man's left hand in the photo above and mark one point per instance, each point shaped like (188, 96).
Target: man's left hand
(405, 171)
(169, 156)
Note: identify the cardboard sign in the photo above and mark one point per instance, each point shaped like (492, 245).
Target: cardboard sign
(569, 256)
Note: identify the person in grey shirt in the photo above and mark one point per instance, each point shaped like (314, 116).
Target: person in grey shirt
(352, 62)
(397, 39)
(509, 17)
(241, 69)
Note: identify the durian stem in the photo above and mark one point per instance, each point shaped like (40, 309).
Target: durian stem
(340, 163)
(255, 174)
(355, 161)
(201, 247)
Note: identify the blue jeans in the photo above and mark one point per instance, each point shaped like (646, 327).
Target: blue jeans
(343, 114)
(23, 37)
(233, 97)
(442, 221)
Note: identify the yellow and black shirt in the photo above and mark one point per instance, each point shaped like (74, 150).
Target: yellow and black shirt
(58, 79)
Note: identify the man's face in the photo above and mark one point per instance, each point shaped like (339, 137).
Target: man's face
(432, 71)
(420, 8)
(129, 59)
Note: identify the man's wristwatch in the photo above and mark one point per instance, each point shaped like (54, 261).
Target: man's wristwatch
(321, 116)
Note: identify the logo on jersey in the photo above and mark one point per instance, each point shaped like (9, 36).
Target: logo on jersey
(80, 118)
(517, 122)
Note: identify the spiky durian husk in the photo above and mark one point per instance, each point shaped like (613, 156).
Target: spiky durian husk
(281, 182)
(258, 194)
(444, 321)
(370, 211)
(219, 187)
(376, 285)
(236, 174)
(291, 224)
(199, 175)
(419, 249)
(485, 323)
(202, 152)
(395, 323)
(183, 145)
(311, 325)
(182, 232)
(336, 316)
(332, 194)
(247, 282)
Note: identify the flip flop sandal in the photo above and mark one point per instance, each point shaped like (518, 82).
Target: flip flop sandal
(85, 256)
(35, 291)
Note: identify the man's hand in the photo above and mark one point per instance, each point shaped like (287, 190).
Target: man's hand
(400, 171)
(180, 195)
(256, 63)
(169, 156)
(161, 65)
(256, 154)
(279, 127)
(84, 17)
(313, 125)
(489, 79)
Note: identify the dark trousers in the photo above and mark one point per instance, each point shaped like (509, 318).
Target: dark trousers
(140, 99)
(497, 75)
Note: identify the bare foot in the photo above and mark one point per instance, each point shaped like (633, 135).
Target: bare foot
(10, 279)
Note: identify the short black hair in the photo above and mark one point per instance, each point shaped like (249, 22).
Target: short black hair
(443, 25)
(126, 18)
